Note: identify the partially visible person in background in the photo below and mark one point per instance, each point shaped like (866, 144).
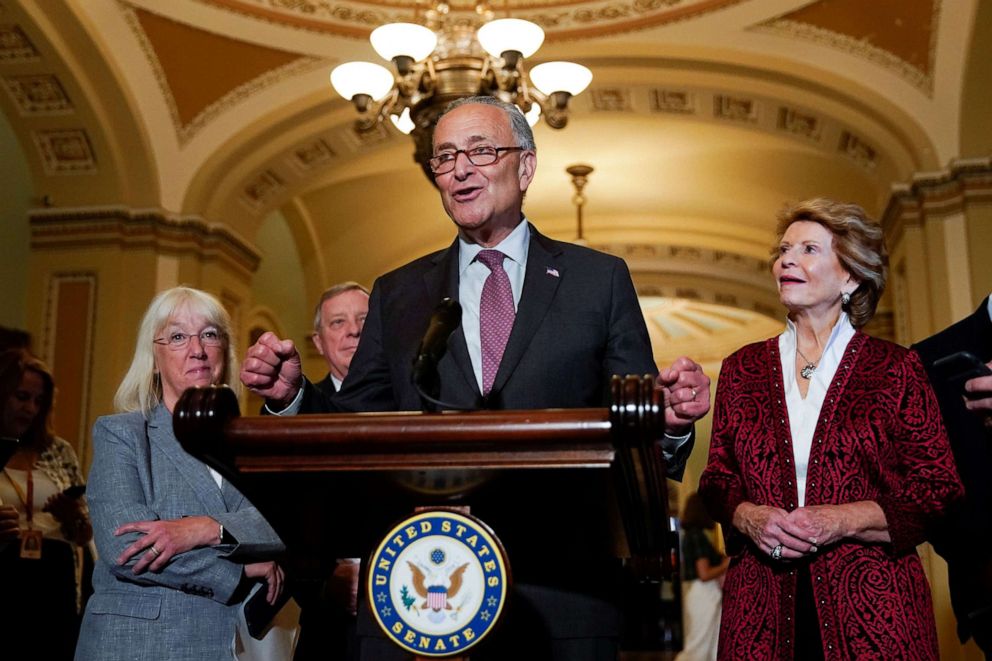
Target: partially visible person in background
(964, 537)
(14, 338)
(338, 321)
(181, 549)
(330, 603)
(43, 518)
(703, 568)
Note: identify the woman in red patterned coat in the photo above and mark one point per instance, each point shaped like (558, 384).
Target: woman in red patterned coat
(827, 462)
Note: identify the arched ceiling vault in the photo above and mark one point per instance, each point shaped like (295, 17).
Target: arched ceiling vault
(704, 116)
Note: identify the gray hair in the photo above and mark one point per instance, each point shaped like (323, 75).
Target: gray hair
(141, 390)
(331, 292)
(518, 123)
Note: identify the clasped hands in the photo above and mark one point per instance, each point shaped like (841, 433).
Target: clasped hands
(800, 533)
(160, 541)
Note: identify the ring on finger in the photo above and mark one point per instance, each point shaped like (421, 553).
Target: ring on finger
(777, 552)
(693, 391)
(154, 551)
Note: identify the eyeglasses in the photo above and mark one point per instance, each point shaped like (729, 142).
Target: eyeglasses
(478, 156)
(209, 337)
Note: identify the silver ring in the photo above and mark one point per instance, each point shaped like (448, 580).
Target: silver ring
(777, 552)
(154, 550)
(693, 390)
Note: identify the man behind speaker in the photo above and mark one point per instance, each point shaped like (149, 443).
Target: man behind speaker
(545, 324)
(329, 606)
(337, 326)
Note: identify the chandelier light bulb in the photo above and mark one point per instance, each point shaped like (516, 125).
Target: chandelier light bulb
(404, 123)
(353, 78)
(510, 34)
(403, 39)
(533, 115)
(552, 77)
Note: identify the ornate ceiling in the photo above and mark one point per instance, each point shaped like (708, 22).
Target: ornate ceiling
(703, 118)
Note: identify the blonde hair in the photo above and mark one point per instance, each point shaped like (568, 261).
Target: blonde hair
(859, 244)
(141, 389)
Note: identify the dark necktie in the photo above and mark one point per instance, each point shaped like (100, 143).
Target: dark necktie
(496, 316)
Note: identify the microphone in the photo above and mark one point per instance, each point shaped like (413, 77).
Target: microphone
(446, 318)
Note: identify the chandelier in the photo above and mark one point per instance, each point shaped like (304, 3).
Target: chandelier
(453, 56)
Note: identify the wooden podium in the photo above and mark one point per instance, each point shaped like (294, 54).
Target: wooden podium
(332, 484)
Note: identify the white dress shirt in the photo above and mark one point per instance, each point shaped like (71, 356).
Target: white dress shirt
(804, 413)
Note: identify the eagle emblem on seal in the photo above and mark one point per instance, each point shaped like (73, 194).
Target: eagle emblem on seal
(436, 595)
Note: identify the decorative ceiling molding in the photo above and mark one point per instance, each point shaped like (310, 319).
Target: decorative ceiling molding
(561, 19)
(936, 194)
(38, 95)
(900, 37)
(15, 45)
(263, 191)
(66, 151)
(707, 263)
(257, 68)
(140, 229)
(291, 168)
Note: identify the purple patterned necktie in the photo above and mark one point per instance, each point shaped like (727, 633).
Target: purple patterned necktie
(496, 315)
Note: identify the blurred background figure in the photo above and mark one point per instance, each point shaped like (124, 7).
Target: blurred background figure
(703, 568)
(43, 520)
(181, 549)
(14, 338)
(964, 538)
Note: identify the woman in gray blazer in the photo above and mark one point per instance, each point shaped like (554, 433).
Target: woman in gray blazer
(180, 548)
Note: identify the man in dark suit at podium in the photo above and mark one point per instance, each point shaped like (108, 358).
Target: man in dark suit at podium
(545, 324)
(964, 537)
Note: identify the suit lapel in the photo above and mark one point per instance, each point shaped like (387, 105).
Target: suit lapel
(442, 281)
(543, 275)
(194, 472)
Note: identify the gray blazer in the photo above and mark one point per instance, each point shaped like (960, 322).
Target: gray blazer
(189, 609)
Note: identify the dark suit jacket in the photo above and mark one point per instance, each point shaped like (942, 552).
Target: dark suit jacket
(964, 539)
(326, 386)
(578, 323)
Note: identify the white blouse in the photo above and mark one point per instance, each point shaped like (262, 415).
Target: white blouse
(804, 413)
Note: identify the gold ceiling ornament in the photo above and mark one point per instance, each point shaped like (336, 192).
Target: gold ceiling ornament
(580, 177)
(444, 57)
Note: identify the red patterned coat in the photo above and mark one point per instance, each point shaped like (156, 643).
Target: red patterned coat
(879, 437)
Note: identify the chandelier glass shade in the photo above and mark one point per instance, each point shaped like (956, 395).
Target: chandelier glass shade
(447, 58)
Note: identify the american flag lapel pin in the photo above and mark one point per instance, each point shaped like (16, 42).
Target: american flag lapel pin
(552, 272)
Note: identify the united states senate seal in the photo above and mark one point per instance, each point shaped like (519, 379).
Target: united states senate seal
(437, 582)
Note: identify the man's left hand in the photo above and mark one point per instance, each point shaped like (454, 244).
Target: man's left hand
(686, 390)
